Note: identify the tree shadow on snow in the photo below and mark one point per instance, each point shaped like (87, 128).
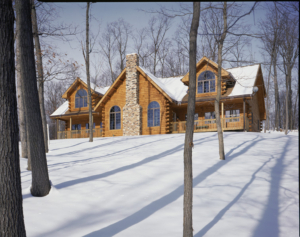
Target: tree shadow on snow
(127, 167)
(103, 156)
(268, 224)
(148, 210)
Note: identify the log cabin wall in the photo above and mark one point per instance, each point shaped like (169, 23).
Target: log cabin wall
(209, 67)
(118, 98)
(253, 114)
(147, 94)
(206, 67)
(71, 99)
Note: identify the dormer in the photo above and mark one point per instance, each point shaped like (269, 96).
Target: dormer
(206, 78)
(77, 93)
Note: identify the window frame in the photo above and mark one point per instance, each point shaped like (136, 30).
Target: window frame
(234, 115)
(79, 99)
(154, 111)
(212, 115)
(114, 118)
(205, 82)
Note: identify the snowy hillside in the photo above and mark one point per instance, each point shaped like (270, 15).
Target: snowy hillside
(133, 187)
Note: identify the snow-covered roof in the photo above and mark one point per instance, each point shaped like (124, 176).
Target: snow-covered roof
(65, 106)
(61, 109)
(245, 78)
(173, 86)
(96, 88)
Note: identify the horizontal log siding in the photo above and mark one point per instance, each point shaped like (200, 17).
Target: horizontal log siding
(118, 97)
(208, 67)
(95, 100)
(147, 94)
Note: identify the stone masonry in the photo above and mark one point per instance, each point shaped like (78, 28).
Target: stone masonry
(132, 111)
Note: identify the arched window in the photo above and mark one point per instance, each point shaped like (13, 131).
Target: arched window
(81, 98)
(153, 114)
(206, 82)
(115, 118)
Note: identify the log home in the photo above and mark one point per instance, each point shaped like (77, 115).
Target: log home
(138, 103)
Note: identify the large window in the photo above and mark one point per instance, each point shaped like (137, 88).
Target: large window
(153, 114)
(234, 115)
(87, 125)
(76, 126)
(210, 115)
(206, 82)
(115, 118)
(81, 98)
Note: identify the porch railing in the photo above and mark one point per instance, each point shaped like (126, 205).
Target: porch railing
(209, 125)
(97, 132)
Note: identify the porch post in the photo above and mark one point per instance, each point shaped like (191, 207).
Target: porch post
(56, 128)
(244, 108)
(70, 127)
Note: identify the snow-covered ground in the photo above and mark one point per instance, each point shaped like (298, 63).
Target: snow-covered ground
(133, 187)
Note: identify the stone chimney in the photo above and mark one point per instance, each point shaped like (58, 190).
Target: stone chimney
(132, 111)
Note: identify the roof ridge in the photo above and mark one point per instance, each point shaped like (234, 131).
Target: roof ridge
(243, 66)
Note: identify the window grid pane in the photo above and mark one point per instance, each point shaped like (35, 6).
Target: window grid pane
(206, 82)
(150, 118)
(156, 117)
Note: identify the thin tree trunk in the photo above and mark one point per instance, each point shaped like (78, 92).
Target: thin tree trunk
(287, 106)
(11, 210)
(23, 130)
(267, 107)
(188, 144)
(295, 107)
(290, 101)
(35, 137)
(39, 66)
(87, 65)
(277, 110)
(218, 97)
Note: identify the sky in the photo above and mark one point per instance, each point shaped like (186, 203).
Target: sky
(106, 12)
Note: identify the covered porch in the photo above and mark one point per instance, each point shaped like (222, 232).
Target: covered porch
(84, 133)
(209, 125)
(76, 126)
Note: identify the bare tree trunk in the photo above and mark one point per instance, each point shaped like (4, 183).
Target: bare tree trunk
(287, 104)
(290, 104)
(39, 66)
(188, 144)
(87, 65)
(11, 210)
(295, 107)
(23, 130)
(36, 146)
(218, 97)
(267, 107)
(277, 110)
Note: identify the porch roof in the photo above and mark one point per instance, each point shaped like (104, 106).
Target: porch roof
(245, 78)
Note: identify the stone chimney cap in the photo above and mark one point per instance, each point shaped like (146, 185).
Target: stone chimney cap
(131, 54)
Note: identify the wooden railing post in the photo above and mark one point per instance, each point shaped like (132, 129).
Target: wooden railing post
(244, 108)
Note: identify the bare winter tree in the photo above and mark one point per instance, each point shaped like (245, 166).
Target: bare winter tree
(141, 45)
(223, 25)
(108, 49)
(11, 210)
(21, 109)
(158, 27)
(40, 73)
(36, 147)
(188, 143)
(121, 31)
(270, 31)
(289, 51)
(86, 55)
